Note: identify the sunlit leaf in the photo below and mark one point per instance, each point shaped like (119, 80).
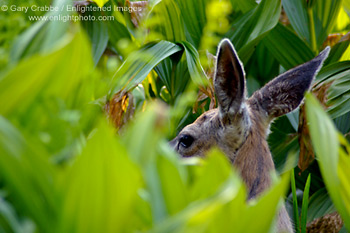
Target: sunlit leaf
(170, 24)
(194, 20)
(104, 177)
(142, 149)
(139, 63)
(338, 75)
(101, 3)
(193, 63)
(176, 197)
(224, 210)
(339, 50)
(343, 19)
(344, 177)
(323, 14)
(28, 174)
(331, 158)
(56, 73)
(64, 169)
(44, 34)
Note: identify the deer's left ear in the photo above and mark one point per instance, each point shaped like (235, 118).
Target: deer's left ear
(229, 82)
(284, 93)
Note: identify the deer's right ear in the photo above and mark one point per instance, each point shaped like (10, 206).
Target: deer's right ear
(229, 80)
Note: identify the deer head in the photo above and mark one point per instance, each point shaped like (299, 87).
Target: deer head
(229, 126)
(239, 126)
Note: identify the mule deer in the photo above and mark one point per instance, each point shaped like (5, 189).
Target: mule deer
(239, 126)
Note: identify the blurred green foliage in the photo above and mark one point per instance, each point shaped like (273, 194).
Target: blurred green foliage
(64, 168)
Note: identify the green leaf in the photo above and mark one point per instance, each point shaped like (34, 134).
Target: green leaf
(237, 217)
(328, 72)
(101, 3)
(339, 92)
(223, 207)
(10, 222)
(208, 178)
(57, 28)
(194, 67)
(305, 205)
(298, 18)
(337, 51)
(100, 188)
(286, 47)
(248, 30)
(26, 44)
(29, 176)
(140, 63)
(273, 196)
(346, 4)
(49, 74)
(193, 14)
(243, 6)
(295, 204)
(43, 35)
(340, 86)
(282, 140)
(174, 74)
(195, 218)
(340, 106)
(323, 14)
(142, 142)
(320, 204)
(118, 32)
(344, 178)
(98, 34)
(168, 22)
(332, 161)
(324, 139)
(173, 187)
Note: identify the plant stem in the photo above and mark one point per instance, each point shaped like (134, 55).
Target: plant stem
(310, 15)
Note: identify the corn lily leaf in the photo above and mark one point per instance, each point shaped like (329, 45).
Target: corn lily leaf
(323, 13)
(97, 31)
(140, 63)
(49, 74)
(249, 29)
(286, 47)
(101, 3)
(333, 160)
(44, 35)
(338, 74)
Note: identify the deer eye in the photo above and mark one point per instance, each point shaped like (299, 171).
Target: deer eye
(186, 140)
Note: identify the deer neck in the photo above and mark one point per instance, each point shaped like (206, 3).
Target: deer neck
(254, 160)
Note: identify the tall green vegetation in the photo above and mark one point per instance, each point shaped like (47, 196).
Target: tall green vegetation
(87, 108)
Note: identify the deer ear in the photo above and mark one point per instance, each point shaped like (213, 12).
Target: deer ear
(229, 82)
(284, 93)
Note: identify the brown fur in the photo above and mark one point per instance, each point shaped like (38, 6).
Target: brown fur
(239, 126)
(330, 223)
(254, 160)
